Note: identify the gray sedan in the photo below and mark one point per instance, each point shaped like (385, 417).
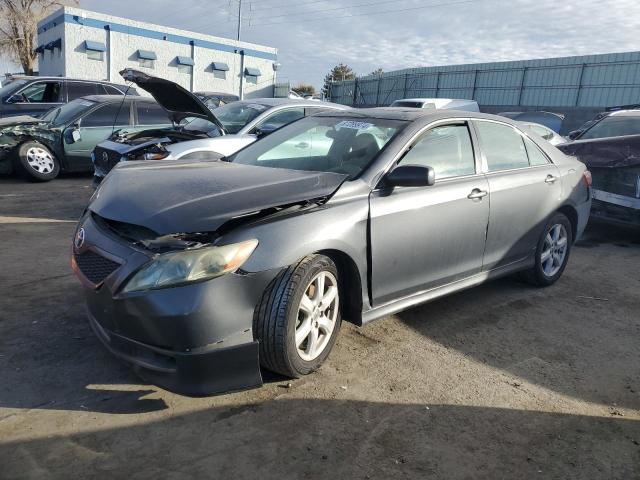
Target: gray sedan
(198, 273)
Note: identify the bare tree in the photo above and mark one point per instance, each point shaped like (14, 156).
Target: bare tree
(18, 28)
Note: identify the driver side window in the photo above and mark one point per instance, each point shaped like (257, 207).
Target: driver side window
(42, 92)
(447, 149)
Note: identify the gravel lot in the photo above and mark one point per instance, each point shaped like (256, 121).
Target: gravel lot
(503, 381)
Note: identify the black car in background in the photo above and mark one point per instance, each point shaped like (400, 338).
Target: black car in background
(64, 138)
(34, 96)
(610, 147)
(216, 99)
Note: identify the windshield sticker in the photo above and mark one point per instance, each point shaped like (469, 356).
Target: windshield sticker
(353, 125)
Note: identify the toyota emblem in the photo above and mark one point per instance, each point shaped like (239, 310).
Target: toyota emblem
(79, 240)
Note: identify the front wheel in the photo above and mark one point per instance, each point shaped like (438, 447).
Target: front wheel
(36, 162)
(298, 318)
(552, 252)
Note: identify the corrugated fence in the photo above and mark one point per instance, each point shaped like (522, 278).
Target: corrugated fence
(591, 81)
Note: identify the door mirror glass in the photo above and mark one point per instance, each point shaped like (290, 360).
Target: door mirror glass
(411, 176)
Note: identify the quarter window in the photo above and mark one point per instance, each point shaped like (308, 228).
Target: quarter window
(536, 157)
(447, 149)
(502, 146)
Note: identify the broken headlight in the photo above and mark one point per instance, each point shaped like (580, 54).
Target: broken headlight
(187, 266)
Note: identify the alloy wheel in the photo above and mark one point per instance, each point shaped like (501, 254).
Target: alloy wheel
(554, 250)
(317, 315)
(40, 160)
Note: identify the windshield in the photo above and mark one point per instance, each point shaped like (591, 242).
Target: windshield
(200, 125)
(234, 116)
(68, 112)
(322, 144)
(11, 87)
(614, 126)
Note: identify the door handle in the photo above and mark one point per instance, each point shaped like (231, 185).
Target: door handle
(477, 194)
(550, 179)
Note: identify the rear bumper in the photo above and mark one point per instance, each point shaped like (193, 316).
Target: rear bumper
(203, 371)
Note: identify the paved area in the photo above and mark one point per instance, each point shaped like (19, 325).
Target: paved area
(502, 381)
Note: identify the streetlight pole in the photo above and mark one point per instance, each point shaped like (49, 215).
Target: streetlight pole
(241, 93)
(239, 18)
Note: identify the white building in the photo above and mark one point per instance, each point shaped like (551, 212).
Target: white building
(82, 44)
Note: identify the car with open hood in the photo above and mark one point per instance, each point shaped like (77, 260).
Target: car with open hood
(197, 273)
(223, 131)
(64, 138)
(610, 147)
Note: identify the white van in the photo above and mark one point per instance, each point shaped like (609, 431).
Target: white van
(438, 103)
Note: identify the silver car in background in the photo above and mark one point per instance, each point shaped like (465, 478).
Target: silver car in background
(545, 132)
(198, 272)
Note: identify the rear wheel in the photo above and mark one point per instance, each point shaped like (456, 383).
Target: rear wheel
(552, 252)
(35, 162)
(298, 319)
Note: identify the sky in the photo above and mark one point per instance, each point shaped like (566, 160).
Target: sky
(313, 36)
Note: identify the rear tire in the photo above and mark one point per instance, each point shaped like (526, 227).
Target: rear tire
(36, 163)
(552, 252)
(298, 318)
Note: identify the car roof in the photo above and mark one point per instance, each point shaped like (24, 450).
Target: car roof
(45, 77)
(625, 113)
(411, 114)
(107, 98)
(275, 102)
(434, 99)
(215, 94)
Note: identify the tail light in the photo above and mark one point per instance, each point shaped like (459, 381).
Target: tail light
(586, 178)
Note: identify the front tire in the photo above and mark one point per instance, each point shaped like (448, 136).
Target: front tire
(298, 318)
(36, 163)
(552, 252)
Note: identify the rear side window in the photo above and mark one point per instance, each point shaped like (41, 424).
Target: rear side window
(109, 90)
(502, 146)
(536, 157)
(105, 116)
(615, 126)
(42, 92)
(82, 89)
(447, 149)
(152, 114)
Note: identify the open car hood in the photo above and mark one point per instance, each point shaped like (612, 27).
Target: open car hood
(179, 197)
(176, 100)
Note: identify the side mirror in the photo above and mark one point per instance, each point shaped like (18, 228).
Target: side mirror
(574, 134)
(72, 134)
(75, 134)
(266, 129)
(15, 98)
(411, 176)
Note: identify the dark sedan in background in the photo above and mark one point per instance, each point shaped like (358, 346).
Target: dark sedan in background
(64, 138)
(197, 273)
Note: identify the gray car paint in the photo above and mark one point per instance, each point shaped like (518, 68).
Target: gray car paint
(393, 254)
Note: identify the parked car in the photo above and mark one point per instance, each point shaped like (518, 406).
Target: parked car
(36, 95)
(438, 103)
(549, 135)
(610, 147)
(63, 139)
(244, 120)
(216, 99)
(198, 272)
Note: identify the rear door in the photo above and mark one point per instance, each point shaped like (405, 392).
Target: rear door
(424, 237)
(94, 127)
(524, 188)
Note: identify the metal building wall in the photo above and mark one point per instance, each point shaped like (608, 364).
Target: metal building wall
(579, 85)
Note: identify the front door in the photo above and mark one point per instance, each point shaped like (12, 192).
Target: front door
(423, 237)
(94, 127)
(524, 191)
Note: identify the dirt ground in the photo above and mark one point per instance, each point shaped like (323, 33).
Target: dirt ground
(502, 381)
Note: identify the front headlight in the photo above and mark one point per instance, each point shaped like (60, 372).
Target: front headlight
(188, 266)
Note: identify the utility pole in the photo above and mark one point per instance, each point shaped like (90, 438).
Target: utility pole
(239, 18)
(241, 93)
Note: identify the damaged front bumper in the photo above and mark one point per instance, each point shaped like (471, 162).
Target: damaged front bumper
(194, 339)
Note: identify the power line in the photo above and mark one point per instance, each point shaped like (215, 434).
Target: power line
(366, 13)
(285, 5)
(323, 10)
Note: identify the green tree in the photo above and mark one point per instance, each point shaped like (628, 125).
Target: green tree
(337, 74)
(304, 89)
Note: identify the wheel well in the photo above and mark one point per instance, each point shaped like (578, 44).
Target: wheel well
(350, 285)
(572, 215)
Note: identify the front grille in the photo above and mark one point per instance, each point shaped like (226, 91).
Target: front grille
(104, 164)
(95, 267)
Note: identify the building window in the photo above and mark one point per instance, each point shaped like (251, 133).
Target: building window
(184, 68)
(252, 79)
(95, 55)
(252, 75)
(146, 63)
(184, 64)
(220, 74)
(220, 70)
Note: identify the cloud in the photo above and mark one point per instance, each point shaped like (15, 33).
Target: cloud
(310, 42)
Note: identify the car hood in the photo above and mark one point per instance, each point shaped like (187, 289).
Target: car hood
(612, 152)
(176, 100)
(19, 120)
(188, 197)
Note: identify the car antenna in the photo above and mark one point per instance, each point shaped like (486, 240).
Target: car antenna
(115, 119)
